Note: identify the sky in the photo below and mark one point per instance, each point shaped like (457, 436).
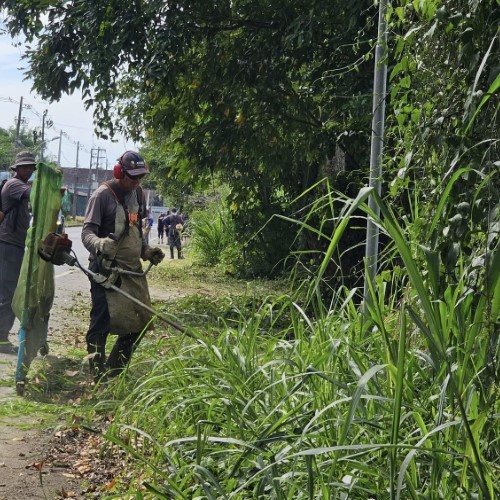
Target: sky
(68, 115)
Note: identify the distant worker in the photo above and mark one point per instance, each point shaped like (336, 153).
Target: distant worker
(147, 224)
(14, 223)
(161, 228)
(165, 223)
(175, 226)
(112, 233)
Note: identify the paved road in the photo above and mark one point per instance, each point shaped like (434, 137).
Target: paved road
(69, 281)
(71, 287)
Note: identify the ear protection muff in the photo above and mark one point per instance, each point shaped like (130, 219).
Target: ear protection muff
(118, 169)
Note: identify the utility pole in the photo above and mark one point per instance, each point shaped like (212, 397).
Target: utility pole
(94, 153)
(98, 161)
(59, 152)
(43, 133)
(75, 183)
(376, 152)
(18, 125)
(97, 166)
(90, 178)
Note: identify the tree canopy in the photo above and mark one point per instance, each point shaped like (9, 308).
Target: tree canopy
(443, 126)
(258, 94)
(8, 147)
(270, 97)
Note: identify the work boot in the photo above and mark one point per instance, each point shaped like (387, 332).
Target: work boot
(179, 255)
(96, 366)
(121, 353)
(171, 253)
(8, 348)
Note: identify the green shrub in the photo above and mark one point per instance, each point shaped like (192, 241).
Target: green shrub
(212, 232)
(284, 404)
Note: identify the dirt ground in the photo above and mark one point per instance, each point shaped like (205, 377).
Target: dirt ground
(53, 463)
(25, 472)
(26, 468)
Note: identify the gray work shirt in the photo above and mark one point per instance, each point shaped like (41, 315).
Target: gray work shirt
(15, 201)
(100, 216)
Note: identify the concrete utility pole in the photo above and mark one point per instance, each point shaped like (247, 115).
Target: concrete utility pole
(43, 133)
(97, 166)
(18, 125)
(59, 152)
(97, 157)
(90, 178)
(98, 161)
(75, 183)
(377, 146)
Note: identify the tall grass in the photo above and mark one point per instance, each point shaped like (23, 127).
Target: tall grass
(397, 405)
(212, 233)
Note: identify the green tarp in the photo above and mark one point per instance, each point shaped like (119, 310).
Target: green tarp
(35, 289)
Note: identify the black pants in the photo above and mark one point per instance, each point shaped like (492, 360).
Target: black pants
(98, 332)
(11, 259)
(174, 241)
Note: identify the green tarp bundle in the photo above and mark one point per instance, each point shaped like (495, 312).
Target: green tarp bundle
(34, 294)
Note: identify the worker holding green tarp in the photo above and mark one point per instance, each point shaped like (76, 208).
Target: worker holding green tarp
(34, 294)
(14, 223)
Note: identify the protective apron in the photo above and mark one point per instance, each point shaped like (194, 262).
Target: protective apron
(126, 316)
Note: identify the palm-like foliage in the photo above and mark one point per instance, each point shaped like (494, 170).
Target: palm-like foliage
(212, 232)
(400, 403)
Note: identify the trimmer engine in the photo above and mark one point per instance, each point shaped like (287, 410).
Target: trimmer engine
(56, 248)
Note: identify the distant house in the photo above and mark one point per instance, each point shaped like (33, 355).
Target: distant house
(81, 183)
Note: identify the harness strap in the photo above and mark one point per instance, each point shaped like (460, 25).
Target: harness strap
(120, 198)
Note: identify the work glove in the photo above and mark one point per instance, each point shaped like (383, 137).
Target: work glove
(106, 246)
(154, 255)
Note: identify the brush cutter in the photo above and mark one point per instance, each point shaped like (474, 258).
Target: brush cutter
(57, 249)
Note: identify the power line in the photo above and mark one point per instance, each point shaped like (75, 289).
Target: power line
(49, 124)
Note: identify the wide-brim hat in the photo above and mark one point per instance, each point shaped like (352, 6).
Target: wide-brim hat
(24, 158)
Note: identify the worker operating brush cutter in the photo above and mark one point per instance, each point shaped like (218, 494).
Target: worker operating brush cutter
(56, 249)
(112, 232)
(120, 296)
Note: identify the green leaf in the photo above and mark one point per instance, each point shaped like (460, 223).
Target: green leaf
(415, 116)
(405, 82)
(493, 88)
